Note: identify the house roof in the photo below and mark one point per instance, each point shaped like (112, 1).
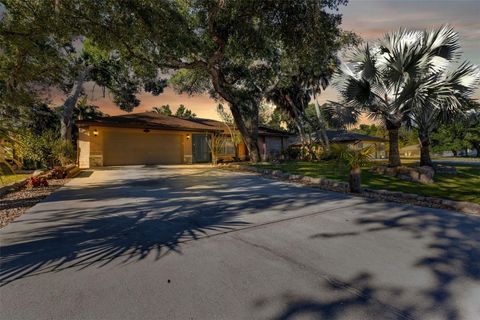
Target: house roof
(346, 136)
(265, 131)
(153, 120)
(343, 136)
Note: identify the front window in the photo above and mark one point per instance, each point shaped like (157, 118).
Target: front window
(227, 148)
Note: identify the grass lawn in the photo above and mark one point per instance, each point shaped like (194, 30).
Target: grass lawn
(465, 186)
(7, 179)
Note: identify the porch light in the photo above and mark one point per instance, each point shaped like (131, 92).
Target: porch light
(95, 132)
(188, 137)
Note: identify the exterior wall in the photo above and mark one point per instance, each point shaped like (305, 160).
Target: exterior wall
(91, 147)
(83, 148)
(410, 151)
(271, 147)
(274, 147)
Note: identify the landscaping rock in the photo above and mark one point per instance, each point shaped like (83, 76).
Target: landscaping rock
(277, 173)
(468, 207)
(38, 172)
(420, 173)
(294, 177)
(73, 172)
(413, 174)
(311, 180)
(17, 202)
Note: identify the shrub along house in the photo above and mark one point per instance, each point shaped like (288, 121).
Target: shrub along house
(152, 138)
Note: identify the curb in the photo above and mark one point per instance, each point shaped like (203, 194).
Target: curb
(337, 186)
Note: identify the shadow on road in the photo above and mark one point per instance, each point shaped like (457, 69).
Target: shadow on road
(452, 259)
(152, 217)
(143, 216)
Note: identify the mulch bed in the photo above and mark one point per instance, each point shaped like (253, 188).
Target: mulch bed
(14, 204)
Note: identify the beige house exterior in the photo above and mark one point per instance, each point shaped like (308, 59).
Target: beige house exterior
(412, 151)
(151, 138)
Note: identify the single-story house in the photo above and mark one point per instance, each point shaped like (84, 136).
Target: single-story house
(356, 140)
(412, 151)
(152, 138)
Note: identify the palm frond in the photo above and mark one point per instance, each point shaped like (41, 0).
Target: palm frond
(443, 42)
(339, 115)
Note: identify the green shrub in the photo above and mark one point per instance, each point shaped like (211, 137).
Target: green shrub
(291, 153)
(44, 150)
(63, 152)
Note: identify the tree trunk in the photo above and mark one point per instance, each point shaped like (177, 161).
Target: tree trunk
(323, 131)
(476, 145)
(354, 180)
(425, 159)
(393, 152)
(67, 109)
(249, 135)
(454, 153)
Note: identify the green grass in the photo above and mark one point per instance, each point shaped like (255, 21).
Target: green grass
(465, 186)
(11, 178)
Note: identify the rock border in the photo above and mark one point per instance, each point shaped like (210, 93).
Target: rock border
(337, 186)
(72, 172)
(13, 187)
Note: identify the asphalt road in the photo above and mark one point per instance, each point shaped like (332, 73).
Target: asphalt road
(198, 243)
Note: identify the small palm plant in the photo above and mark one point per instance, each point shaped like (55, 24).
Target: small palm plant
(354, 159)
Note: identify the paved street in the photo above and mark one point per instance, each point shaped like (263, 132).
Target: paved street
(148, 242)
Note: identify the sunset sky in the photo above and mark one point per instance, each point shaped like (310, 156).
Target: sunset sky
(369, 19)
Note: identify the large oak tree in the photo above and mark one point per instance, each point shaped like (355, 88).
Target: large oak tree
(232, 49)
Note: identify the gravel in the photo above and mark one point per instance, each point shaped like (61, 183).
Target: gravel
(14, 204)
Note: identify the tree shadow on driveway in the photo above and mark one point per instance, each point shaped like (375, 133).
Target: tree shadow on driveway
(127, 220)
(448, 259)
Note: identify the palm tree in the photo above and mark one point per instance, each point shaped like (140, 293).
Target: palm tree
(442, 96)
(85, 111)
(382, 79)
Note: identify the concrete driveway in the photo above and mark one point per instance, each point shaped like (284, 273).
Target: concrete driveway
(197, 243)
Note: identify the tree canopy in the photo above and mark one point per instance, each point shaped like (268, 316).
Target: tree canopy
(234, 50)
(182, 111)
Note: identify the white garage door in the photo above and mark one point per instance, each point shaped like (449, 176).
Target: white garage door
(137, 147)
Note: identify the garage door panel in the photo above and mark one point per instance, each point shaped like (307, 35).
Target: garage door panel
(130, 148)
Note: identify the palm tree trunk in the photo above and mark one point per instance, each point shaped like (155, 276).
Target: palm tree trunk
(425, 159)
(393, 152)
(354, 180)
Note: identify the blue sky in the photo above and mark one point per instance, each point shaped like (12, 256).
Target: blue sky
(369, 19)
